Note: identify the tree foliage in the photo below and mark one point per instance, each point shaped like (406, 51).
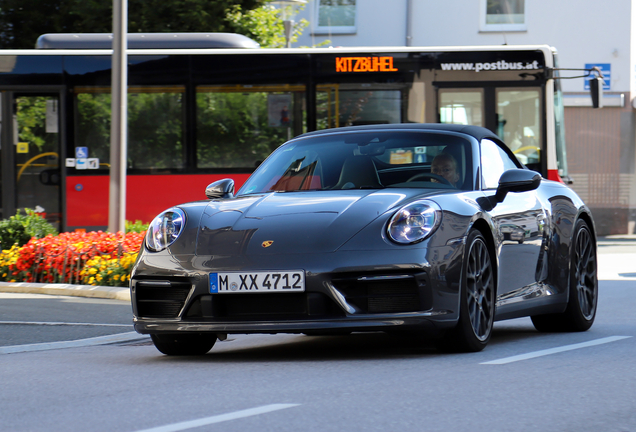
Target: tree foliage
(263, 24)
(23, 21)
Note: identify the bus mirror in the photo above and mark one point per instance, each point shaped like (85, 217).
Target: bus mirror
(596, 91)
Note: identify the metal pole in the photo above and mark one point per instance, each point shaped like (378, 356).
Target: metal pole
(118, 127)
(409, 23)
(288, 26)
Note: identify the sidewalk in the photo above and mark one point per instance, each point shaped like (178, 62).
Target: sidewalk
(617, 257)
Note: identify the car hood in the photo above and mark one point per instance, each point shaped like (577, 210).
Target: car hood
(292, 222)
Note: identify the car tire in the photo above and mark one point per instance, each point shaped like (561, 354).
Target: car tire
(580, 312)
(183, 344)
(477, 299)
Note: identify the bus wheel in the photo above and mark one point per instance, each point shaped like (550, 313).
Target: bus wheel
(583, 296)
(184, 344)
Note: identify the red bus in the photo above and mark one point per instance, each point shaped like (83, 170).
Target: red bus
(198, 113)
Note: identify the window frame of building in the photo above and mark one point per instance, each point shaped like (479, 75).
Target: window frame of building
(484, 26)
(334, 29)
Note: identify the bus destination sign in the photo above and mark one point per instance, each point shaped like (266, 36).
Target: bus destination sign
(365, 64)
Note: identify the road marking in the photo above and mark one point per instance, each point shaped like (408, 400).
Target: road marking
(62, 324)
(100, 340)
(556, 350)
(175, 427)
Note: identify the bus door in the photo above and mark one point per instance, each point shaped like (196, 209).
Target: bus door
(35, 143)
(513, 113)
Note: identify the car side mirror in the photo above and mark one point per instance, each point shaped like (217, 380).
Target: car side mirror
(514, 180)
(517, 180)
(220, 189)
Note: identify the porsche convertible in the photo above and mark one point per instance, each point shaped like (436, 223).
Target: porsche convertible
(414, 227)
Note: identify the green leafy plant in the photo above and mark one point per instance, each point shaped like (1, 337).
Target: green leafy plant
(19, 229)
(12, 232)
(136, 226)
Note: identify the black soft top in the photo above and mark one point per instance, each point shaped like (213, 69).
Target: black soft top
(477, 132)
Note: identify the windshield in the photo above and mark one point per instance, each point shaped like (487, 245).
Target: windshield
(366, 160)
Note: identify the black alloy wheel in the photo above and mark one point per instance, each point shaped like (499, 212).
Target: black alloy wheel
(184, 344)
(583, 290)
(477, 299)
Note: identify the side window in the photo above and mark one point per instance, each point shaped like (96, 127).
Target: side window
(494, 161)
(155, 125)
(335, 17)
(240, 125)
(503, 15)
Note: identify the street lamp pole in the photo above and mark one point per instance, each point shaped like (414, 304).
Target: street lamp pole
(288, 24)
(118, 127)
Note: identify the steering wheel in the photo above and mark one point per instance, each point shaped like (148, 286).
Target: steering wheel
(439, 178)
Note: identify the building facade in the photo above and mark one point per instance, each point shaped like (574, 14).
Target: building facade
(600, 142)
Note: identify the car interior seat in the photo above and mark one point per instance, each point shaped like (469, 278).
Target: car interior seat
(358, 172)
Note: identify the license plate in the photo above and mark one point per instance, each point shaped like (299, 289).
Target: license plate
(257, 282)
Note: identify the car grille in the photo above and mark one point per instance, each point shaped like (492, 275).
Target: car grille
(160, 298)
(383, 294)
(262, 304)
(293, 306)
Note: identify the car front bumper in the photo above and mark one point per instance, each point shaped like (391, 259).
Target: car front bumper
(368, 291)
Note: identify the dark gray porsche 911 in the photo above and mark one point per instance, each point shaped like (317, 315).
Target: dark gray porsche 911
(435, 228)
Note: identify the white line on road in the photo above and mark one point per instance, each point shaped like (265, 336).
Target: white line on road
(44, 323)
(175, 427)
(100, 340)
(556, 350)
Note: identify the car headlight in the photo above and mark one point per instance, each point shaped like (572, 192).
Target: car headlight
(414, 222)
(165, 229)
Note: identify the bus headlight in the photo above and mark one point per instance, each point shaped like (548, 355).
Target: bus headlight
(165, 229)
(414, 222)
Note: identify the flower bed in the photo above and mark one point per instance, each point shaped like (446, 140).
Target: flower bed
(93, 258)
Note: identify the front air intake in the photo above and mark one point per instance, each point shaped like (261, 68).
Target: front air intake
(160, 298)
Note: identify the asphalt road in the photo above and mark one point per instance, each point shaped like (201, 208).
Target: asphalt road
(523, 381)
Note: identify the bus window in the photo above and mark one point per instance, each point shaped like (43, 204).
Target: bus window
(463, 106)
(339, 105)
(155, 126)
(519, 124)
(239, 126)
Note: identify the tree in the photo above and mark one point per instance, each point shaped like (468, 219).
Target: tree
(263, 24)
(23, 21)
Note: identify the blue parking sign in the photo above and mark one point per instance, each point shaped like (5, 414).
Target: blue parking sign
(81, 152)
(606, 70)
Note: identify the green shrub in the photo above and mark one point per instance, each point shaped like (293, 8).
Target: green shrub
(136, 226)
(12, 232)
(19, 229)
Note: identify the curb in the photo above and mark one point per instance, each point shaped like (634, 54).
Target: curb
(115, 293)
